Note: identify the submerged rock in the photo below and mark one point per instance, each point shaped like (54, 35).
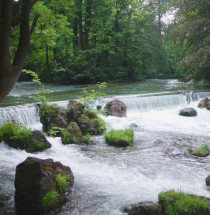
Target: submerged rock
(189, 112)
(72, 134)
(144, 208)
(133, 125)
(53, 116)
(41, 185)
(205, 103)
(208, 181)
(116, 108)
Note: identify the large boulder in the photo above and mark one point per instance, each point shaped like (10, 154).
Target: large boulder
(188, 112)
(72, 134)
(144, 208)
(52, 116)
(183, 204)
(116, 108)
(205, 103)
(208, 181)
(18, 137)
(41, 185)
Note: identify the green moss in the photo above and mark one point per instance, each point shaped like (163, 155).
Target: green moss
(120, 137)
(15, 135)
(200, 152)
(36, 145)
(50, 199)
(72, 134)
(179, 203)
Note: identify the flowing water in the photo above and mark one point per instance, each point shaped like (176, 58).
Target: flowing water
(107, 179)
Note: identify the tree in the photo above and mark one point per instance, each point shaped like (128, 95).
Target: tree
(10, 72)
(190, 33)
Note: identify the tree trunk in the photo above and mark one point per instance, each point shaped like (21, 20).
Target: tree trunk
(87, 23)
(9, 74)
(80, 25)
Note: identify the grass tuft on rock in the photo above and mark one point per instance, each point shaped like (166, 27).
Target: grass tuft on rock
(50, 199)
(120, 138)
(200, 152)
(61, 181)
(179, 203)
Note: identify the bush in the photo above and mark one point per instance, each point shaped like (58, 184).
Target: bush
(120, 137)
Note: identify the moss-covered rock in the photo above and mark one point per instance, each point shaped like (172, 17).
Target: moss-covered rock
(72, 134)
(41, 185)
(120, 138)
(53, 116)
(144, 208)
(91, 123)
(19, 137)
(205, 103)
(183, 204)
(200, 152)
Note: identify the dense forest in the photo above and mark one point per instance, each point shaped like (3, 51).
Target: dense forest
(86, 41)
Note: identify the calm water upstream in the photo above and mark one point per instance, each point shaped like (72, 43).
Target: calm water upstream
(107, 179)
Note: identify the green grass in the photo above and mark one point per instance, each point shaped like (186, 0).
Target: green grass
(201, 152)
(61, 181)
(120, 137)
(50, 199)
(179, 203)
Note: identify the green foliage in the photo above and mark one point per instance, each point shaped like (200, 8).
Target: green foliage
(179, 203)
(190, 35)
(119, 137)
(41, 95)
(87, 138)
(50, 199)
(91, 41)
(201, 152)
(90, 96)
(55, 131)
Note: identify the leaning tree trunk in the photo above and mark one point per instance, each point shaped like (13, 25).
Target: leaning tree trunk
(9, 73)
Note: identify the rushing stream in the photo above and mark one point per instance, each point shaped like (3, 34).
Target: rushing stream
(107, 179)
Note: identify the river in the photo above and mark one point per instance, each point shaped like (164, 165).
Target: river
(107, 179)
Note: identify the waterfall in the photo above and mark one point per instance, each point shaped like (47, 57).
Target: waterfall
(24, 114)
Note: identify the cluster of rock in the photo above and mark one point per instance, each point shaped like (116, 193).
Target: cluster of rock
(191, 112)
(71, 123)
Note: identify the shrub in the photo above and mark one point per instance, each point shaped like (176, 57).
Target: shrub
(120, 137)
